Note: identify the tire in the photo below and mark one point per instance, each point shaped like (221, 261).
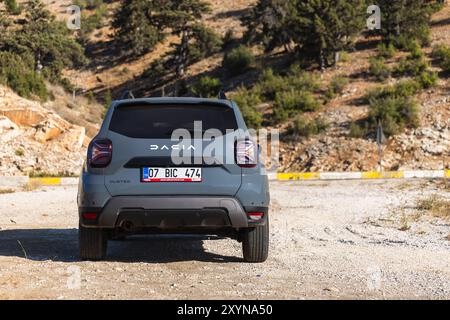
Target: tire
(92, 242)
(255, 243)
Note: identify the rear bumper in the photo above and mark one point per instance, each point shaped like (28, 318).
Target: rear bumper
(166, 212)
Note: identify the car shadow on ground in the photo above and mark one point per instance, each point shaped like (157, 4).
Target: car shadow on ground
(61, 245)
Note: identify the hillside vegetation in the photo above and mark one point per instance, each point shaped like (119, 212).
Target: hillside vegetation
(311, 69)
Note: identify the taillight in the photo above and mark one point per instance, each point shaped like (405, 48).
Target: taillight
(99, 153)
(246, 154)
(255, 215)
(89, 216)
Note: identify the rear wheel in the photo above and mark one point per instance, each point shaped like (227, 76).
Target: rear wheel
(92, 242)
(255, 243)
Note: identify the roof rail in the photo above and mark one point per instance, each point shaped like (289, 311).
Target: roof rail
(222, 95)
(127, 94)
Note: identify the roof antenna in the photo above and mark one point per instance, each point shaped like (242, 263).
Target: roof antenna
(127, 94)
(222, 95)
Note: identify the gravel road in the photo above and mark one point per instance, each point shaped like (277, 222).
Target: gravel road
(329, 240)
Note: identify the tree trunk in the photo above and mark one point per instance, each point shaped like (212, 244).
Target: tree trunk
(337, 57)
(182, 59)
(322, 59)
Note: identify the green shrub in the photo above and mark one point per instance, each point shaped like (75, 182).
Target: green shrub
(155, 71)
(296, 100)
(395, 113)
(416, 53)
(358, 130)
(386, 51)
(289, 103)
(90, 22)
(337, 85)
(38, 35)
(304, 128)
(393, 105)
(404, 42)
(271, 84)
(207, 87)
(245, 97)
(247, 100)
(291, 93)
(445, 65)
(228, 39)
(20, 76)
(437, 6)
(299, 79)
(107, 101)
(12, 7)
(207, 42)
(89, 4)
(253, 117)
(442, 54)
(408, 43)
(378, 69)
(280, 115)
(427, 79)
(404, 88)
(411, 66)
(423, 35)
(238, 60)
(344, 56)
(91, 97)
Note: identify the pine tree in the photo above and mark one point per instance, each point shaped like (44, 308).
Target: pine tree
(317, 28)
(205, 42)
(137, 31)
(43, 39)
(141, 24)
(181, 16)
(322, 28)
(405, 19)
(267, 24)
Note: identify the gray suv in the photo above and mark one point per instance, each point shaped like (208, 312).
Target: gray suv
(173, 165)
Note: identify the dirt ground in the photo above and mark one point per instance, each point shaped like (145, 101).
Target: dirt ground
(329, 240)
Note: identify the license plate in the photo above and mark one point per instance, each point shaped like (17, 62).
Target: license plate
(171, 175)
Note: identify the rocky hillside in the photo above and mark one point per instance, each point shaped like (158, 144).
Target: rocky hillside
(37, 141)
(427, 147)
(50, 138)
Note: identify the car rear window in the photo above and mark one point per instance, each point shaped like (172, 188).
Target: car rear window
(159, 121)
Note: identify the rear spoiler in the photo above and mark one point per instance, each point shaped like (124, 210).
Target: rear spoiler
(158, 102)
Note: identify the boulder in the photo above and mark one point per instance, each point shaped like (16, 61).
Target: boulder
(6, 125)
(34, 139)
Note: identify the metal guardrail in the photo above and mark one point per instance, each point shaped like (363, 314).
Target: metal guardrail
(20, 181)
(368, 175)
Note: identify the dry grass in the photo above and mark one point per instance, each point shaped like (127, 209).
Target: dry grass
(32, 185)
(435, 205)
(404, 223)
(443, 184)
(405, 185)
(7, 190)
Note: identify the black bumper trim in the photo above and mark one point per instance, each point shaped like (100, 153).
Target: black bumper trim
(110, 213)
(173, 219)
